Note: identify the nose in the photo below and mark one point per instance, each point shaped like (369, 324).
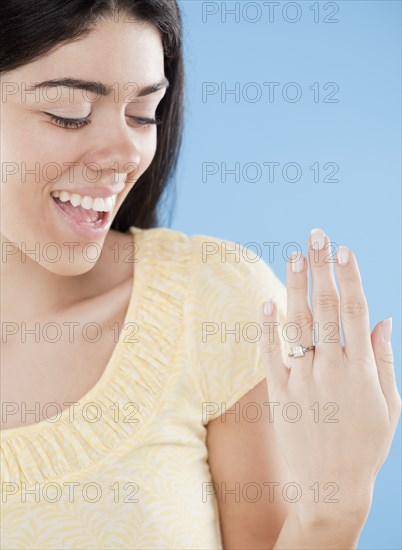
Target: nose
(114, 150)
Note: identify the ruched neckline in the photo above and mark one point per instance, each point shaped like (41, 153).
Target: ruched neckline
(137, 372)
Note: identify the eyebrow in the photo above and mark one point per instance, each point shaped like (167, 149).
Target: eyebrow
(97, 87)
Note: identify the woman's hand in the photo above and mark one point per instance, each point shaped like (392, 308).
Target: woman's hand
(338, 405)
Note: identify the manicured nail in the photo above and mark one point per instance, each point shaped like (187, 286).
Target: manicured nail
(268, 307)
(317, 236)
(343, 254)
(387, 329)
(297, 262)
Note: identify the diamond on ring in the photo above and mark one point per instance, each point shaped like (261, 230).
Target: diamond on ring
(299, 351)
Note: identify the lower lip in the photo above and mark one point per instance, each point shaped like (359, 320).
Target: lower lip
(83, 230)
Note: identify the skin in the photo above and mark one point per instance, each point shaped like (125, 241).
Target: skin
(80, 290)
(111, 139)
(359, 377)
(33, 289)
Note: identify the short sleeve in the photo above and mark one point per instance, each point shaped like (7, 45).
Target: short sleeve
(230, 283)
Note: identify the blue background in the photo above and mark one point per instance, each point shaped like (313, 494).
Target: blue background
(360, 133)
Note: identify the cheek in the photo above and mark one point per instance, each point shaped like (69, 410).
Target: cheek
(23, 165)
(24, 211)
(20, 141)
(148, 149)
(33, 158)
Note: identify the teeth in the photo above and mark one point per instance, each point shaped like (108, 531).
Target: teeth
(109, 203)
(98, 205)
(75, 199)
(87, 202)
(64, 196)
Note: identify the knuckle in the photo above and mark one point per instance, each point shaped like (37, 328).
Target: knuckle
(317, 264)
(302, 320)
(269, 350)
(296, 288)
(269, 342)
(364, 363)
(354, 308)
(326, 302)
(388, 359)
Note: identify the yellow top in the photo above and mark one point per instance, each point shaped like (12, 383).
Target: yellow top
(127, 466)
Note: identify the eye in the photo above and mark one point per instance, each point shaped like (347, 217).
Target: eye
(145, 121)
(69, 122)
(80, 122)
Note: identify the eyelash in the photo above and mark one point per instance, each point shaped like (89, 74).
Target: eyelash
(81, 122)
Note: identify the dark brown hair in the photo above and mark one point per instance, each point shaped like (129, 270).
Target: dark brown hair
(32, 28)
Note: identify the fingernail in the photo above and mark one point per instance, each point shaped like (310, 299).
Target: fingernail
(317, 236)
(387, 329)
(297, 262)
(343, 254)
(268, 307)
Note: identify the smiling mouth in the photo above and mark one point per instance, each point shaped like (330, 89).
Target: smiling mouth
(80, 214)
(84, 210)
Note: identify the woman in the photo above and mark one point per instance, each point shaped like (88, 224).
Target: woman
(136, 412)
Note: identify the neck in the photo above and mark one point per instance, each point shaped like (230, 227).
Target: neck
(30, 291)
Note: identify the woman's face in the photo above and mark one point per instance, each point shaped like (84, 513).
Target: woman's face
(100, 160)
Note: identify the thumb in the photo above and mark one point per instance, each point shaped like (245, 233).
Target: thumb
(384, 357)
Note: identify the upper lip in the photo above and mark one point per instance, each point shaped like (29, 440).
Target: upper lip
(102, 192)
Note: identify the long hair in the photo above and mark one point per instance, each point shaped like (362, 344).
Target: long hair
(32, 28)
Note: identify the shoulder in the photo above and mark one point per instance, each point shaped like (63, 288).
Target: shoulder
(215, 270)
(225, 257)
(159, 242)
(234, 276)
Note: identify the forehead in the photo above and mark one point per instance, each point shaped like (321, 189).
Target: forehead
(115, 51)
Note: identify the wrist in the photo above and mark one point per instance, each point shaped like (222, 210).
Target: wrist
(331, 519)
(332, 516)
(319, 528)
(347, 499)
(350, 515)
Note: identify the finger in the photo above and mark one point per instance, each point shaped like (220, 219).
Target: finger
(272, 353)
(325, 298)
(384, 357)
(299, 319)
(353, 307)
